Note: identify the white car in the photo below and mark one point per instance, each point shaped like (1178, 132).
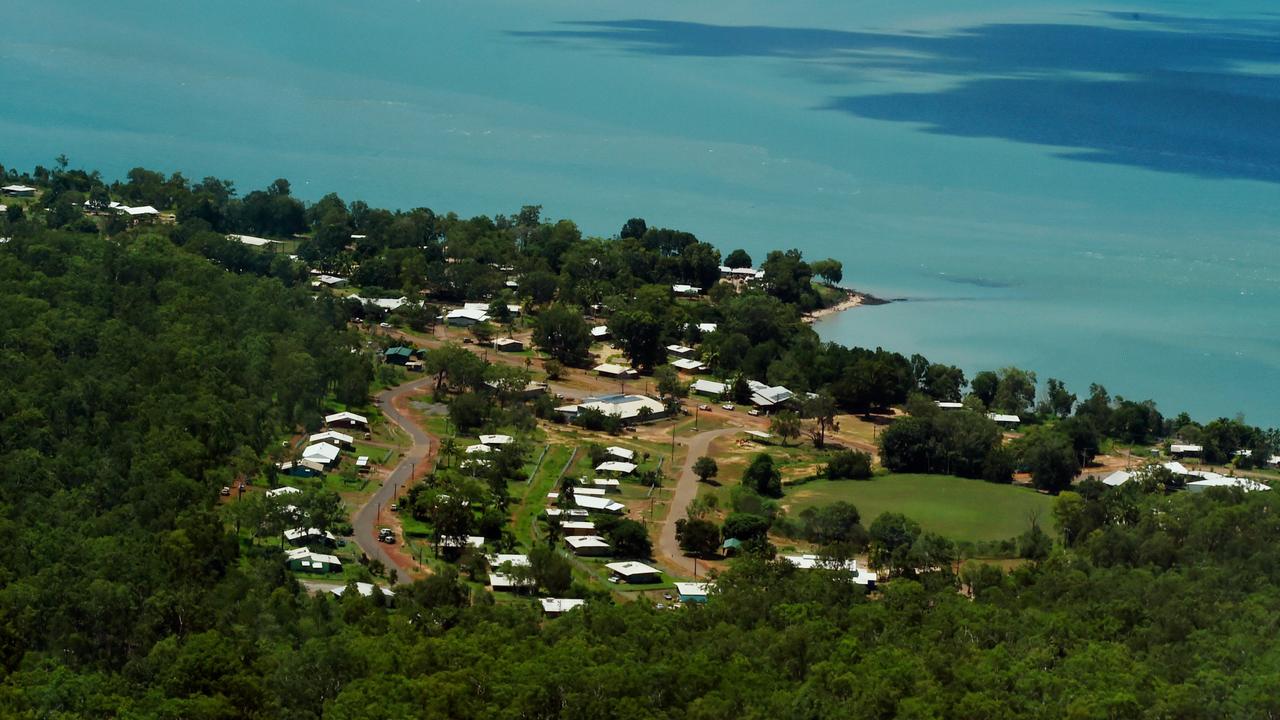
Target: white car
(704, 408)
(727, 406)
(384, 325)
(753, 412)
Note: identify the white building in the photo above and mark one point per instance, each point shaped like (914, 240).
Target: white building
(598, 504)
(346, 419)
(555, 607)
(623, 407)
(285, 490)
(587, 545)
(636, 573)
(620, 453)
(465, 317)
(709, 388)
(682, 351)
(1004, 419)
(688, 365)
(682, 289)
(332, 436)
(365, 589)
(624, 468)
(768, 397)
(615, 371)
(600, 332)
(492, 440)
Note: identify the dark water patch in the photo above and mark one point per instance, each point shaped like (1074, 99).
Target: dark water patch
(1167, 93)
(975, 281)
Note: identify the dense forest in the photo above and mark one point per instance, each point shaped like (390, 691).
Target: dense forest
(146, 367)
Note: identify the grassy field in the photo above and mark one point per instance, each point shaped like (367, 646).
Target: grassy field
(957, 508)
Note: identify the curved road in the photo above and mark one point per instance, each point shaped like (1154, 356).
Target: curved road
(686, 491)
(364, 524)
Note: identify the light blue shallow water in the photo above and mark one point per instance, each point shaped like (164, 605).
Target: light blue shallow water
(1088, 193)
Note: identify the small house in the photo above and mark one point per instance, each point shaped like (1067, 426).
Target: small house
(686, 290)
(303, 560)
(508, 345)
(347, 420)
(466, 317)
(709, 388)
(689, 365)
(398, 355)
(620, 453)
(18, 191)
(334, 437)
(365, 589)
(577, 528)
(600, 332)
(609, 485)
(633, 573)
(1004, 419)
(324, 454)
(1184, 449)
(616, 371)
(615, 466)
(692, 591)
(555, 607)
(593, 503)
(680, 351)
(587, 545)
(492, 440)
(284, 490)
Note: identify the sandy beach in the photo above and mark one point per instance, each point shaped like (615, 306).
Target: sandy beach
(852, 299)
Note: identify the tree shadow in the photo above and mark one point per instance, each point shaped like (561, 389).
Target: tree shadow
(1187, 95)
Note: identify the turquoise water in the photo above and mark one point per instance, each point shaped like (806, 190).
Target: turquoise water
(1087, 191)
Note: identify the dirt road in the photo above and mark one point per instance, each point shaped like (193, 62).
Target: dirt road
(686, 490)
(365, 522)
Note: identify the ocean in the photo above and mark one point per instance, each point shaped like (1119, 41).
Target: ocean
(1086, 191)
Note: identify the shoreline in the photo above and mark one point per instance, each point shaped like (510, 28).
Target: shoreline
(852, 299)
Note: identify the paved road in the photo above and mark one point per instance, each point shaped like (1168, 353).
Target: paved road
(686, 491)
(365, 522)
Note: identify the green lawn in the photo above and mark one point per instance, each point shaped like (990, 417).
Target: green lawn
(957, 508)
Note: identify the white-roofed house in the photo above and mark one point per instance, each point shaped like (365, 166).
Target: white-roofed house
(692, 591)
(1004, 419)
(346, 419)
(303, 560)
(681, 351)
(949, 405)
(252, 241)
(283, 490)
(309, 536)
(615, 371)
(465, 317)
(555, 607)
(1181, 449)
(587, 545)
(477, 448)
(634, 573)
(365, 589)
(324, 453)
(624, 407)
(332, 281)
(621, 453)
(1117, 478)
(710, 388)
(598, 504)
(1222, 481)
(616, 466)
(688, 365)
(707, 327)
(600, 332)
(334, 437)
(18, 190)
(508, 345)
(768, 397)
(809, 561)
(577, 527)
(609, 485)
(492, 440)
(682, 289)
(362, 463)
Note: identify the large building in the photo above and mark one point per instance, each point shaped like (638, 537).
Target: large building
(628, 408)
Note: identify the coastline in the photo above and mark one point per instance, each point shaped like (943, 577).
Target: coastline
(852, 299)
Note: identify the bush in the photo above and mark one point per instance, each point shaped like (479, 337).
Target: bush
(849, 465)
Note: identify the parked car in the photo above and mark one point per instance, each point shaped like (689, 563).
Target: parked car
(226, 490)
(727, 406)
(384, 324)
(395, 507)
(753, 412)
(704, 408)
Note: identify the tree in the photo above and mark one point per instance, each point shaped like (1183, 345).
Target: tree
(738, 259)
(698, 537)
(635, 228)
(838, 522)
(1057, 400)
(786, 424)
(550, 570)
(821, 411)
(892, 535)
(1050, 458)
(848, 464)
(984, 385)
(830, 270)
(745, 527)
(763, 477)
(705, 468)
(669, 386)
(483, 332)
(539, 286)
(561, 332)
(629, 539)
(469, 411)
(1016, 391)
(639, 335)
(553, 368)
